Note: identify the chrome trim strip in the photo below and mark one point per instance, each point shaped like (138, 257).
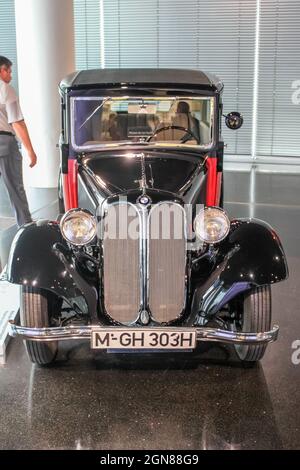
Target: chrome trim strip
(84, 332)
(144, 268)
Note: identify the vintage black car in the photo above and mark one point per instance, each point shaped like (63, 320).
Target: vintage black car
(143, 256)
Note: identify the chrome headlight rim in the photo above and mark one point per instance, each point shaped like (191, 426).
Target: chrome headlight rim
(74, 212)
(225, 217)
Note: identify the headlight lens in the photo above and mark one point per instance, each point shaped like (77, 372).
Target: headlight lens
(78, 226)
(211, 225)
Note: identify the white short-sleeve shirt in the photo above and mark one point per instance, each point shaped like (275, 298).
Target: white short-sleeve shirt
(10, 110)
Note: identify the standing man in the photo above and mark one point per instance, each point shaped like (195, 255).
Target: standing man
(12, 124)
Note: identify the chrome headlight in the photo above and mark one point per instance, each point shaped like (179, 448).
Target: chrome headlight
(78, 226)
(211, 225)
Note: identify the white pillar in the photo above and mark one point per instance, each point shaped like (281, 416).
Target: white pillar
(45, 48)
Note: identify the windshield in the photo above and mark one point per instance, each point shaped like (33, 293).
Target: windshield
(111, 121)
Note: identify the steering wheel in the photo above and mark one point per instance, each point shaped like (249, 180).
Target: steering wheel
(179, 128)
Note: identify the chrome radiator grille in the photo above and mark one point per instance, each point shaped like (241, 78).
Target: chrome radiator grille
(147, 271)
(167, 261)
(121, 264)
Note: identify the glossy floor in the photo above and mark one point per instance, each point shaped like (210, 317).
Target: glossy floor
(203, 401)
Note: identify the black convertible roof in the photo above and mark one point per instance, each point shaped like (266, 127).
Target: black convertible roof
(102, 77)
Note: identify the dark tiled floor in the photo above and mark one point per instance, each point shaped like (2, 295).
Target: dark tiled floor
(132, 402)
(206, 400)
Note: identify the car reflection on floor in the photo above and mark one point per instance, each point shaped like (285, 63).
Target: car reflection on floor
(125, 401)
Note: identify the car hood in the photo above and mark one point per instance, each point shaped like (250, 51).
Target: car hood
(172, 172)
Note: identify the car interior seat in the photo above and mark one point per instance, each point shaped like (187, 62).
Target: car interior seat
(204, 132)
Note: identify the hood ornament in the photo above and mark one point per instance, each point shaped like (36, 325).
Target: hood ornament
(144, 200)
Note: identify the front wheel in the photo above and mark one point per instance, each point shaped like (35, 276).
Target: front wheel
(253, 312)
(37, 309)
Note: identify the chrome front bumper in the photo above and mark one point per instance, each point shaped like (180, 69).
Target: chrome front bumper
(85, 332)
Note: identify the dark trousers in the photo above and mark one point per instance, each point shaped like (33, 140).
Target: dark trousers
(12, 174)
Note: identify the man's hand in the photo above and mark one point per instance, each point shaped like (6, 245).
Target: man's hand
(32, 159)
(21, 130)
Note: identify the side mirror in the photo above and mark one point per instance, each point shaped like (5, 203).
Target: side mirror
(234, 120)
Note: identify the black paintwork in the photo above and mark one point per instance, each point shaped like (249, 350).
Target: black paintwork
(40, 257)
(149, 77)
(152, 82)
(117, 172)
(253, 254)
(250, 255)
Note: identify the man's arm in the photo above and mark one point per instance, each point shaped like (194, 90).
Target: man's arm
(21, 131)
(16, 120)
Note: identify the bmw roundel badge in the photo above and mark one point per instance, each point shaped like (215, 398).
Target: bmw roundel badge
(144, 200)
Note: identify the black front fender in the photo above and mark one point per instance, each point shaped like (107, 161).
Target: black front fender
(252, 253)
(40, 257)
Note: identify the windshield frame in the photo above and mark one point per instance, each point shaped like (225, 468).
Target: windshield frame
(124, 143)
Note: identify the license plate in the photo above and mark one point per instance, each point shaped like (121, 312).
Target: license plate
(140, 338)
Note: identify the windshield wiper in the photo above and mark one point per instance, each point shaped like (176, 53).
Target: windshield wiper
(95, 110)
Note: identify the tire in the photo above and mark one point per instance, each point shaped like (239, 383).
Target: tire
(36, 309)
(255, 316)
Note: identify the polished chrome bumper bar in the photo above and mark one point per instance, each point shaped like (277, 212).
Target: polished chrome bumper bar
(85, 332)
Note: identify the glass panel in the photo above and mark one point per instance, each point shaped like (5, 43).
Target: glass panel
(110, 121)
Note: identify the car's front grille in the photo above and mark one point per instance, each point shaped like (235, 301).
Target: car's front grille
(144, 267)
(167, 262)
(121, 257)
